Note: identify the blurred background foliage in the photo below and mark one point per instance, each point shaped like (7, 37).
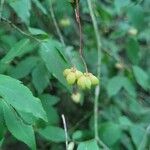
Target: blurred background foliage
(31, 51)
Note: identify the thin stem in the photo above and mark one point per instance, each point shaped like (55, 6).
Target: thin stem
(23, 33)
(102, 144)
(1, 8)
(56, 24)
(77, 13)
(65, 128)
(97, 90)
(19, 30)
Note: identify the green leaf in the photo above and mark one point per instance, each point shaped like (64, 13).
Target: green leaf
(1, 142)
(109, 130)
(114, 86)
(141, 77)
(124, 122)
(79, 135)
(136, 10)
(40, 77)
(17, 128)
(22, 9)
(28, 118)
(52, 115)
(88, 145)
(127, 143)
(39, 5)
(129, 87)
(53, 59)
(118, 82)
(133, 50)
(16, 50)
(49, 100)
(38, 33)
(2, 122)
(23, 68)
(137, 134)
(134, 107)
(52, 133)
(120, 4)
(20, 97)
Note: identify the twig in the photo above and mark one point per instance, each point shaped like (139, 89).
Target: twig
(1, 8)
(65, 128)
(56, 24)
(23, 32)
(77, 13)
(19, 30)
(97, 90)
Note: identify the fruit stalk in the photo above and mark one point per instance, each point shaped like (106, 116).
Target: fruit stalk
(77, 13)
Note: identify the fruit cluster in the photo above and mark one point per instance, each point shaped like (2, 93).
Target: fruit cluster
(83, 80)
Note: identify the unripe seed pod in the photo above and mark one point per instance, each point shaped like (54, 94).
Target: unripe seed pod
(65, 22)
(82, 82)
(88, 83)
(66, 72)
(78, 74)
(71, 78)
(133, 31)
(76, 97)
(94, 80)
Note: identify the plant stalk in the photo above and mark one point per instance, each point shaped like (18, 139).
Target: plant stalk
(97, 90)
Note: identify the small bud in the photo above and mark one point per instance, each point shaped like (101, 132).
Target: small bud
(66, 72)
(71, 78)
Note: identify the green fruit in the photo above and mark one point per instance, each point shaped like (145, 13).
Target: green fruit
(88, 83)
(65, 22)
(94, 80)
(76, 97)
(82, 82)
(66, 72)
(78, 74)
(71, 78)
